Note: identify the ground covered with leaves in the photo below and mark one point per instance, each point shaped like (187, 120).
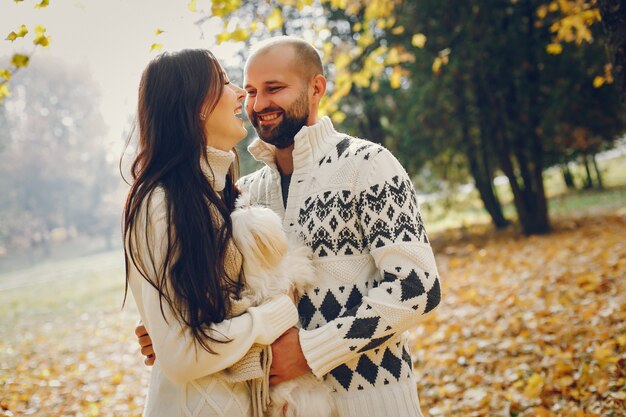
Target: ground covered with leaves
(527, 327)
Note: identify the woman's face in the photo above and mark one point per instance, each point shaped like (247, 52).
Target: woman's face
(224, 126)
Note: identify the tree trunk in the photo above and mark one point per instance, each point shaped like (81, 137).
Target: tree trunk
(613, 14)
(598, 173)
(481, 173)
(371, 122)
(568, 177)
(588, 181)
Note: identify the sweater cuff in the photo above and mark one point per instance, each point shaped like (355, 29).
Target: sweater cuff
(324, 349)
(278, 315)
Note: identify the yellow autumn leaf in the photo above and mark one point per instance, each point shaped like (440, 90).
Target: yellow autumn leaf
(361, 78)
(42, 4)
(192, 6)
(534, 386)
(398, 30)
(156, 47)
(553, 6)
(239, 35)
(11, 36)
(418, 40)
(621, 340)
(40, 36)
(275, 20)
(542, 11)
(5, 73)
(365, 40)
(338, 117)
(554, 49)
(342, 60)
(19, 60)
(395, 80)
(598, 81)
(605, 355)
(158, 32)
(117, 379)
(4, 91)
(437, 63)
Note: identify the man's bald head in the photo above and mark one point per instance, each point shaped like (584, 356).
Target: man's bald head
(306, 60)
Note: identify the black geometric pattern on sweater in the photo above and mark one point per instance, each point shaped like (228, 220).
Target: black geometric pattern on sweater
(398, 191)
(368, 150)
(367, 369)
(342, 146)
(406, 357)
(306, 309)
(375, 199)
(406, 224)
(330, 307)
(345, 206)
(324, 215)
(376, 342)
(363, 328)
(322, 238)
(433, 297)
(343, 375)
(389, 277)
(391, 363)
(411, 286)
(354, 299)
(380, 232)
(348, 243)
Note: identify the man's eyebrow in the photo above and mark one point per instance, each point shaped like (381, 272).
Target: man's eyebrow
(270, 82)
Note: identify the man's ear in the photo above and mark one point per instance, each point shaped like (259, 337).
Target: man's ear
(319, 86)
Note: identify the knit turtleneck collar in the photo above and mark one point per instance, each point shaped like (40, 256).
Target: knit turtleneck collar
(219, 162)
(310, 143)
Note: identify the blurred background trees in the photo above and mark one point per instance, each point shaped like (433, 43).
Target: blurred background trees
(55, 173)
(468, 95)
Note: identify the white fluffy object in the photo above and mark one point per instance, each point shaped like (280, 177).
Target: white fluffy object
(273, 265)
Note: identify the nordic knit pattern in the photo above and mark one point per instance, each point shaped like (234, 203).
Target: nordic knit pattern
(186, 380)
(355, 206)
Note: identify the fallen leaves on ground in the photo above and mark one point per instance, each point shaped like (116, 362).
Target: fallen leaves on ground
(83, 366)
(528, 326)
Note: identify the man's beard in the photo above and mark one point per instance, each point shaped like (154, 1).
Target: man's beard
(294, 118)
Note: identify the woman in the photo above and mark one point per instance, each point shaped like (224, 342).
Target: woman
(181, 264)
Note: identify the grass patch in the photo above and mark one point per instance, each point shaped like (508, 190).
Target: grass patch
(65, 288)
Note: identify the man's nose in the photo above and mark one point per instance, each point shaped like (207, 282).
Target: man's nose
(260, 103)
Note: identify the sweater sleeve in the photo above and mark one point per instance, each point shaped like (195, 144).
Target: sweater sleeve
(181, 358)
(408, 283)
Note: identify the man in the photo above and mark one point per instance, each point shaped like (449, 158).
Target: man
(355, 206)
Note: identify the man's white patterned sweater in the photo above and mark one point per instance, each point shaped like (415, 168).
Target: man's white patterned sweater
(351, 201)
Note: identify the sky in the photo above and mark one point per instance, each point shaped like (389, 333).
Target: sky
(112, 39)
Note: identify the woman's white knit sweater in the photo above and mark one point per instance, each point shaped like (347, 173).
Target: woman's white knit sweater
(355, 206)
(186, 380)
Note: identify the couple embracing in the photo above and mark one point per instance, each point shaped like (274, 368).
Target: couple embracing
(346, 199)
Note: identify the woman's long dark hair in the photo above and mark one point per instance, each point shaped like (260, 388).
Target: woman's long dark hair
(174, 89)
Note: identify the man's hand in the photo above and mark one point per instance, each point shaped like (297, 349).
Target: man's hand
(288, 361)
(146, 344)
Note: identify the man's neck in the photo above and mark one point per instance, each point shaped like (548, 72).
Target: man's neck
(284, 160)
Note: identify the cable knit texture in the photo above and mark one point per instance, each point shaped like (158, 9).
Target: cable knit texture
(351, 201)
(186, 380)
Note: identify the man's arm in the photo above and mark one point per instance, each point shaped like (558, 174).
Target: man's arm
(408, 283)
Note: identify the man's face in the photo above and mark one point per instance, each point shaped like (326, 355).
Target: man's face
(277, 102)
